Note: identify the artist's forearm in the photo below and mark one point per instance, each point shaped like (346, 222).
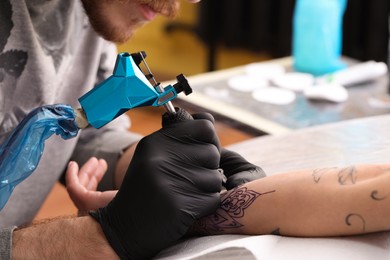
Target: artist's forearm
(67, 238)
(322, 202)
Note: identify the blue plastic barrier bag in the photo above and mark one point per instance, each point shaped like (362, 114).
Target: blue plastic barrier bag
(22, 150)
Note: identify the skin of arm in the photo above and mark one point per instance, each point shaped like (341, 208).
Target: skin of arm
(334, 201)
(309, 203)
(64, 238)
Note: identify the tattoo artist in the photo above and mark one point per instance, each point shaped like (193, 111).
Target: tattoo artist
(55, 51)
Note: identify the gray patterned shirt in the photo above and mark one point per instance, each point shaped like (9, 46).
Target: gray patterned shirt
(49, 54)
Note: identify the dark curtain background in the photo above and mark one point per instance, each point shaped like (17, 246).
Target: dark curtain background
(266, 26)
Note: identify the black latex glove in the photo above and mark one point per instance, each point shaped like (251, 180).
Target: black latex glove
(172, 181)
(238, 170)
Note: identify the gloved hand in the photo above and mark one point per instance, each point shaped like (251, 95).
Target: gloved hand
(238, 170)
(172, 181)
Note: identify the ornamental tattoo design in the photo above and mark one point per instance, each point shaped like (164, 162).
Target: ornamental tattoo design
(232, 208)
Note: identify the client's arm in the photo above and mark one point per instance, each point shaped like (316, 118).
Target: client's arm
(320, 202)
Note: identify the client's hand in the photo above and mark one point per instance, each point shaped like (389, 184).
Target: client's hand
(172, 181)
(81, 185)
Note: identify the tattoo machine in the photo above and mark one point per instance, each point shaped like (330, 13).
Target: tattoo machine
(127, 88)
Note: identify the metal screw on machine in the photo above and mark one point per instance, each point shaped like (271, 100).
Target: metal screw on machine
(181, 85)
(179, 115)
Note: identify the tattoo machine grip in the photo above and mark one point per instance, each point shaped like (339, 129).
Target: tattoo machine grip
(180, 116)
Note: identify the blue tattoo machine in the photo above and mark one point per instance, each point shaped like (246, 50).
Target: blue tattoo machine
(127, 88)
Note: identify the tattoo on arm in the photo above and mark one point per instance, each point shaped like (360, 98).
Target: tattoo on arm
(233, 206)
(346, 176)
(317, 173)
(349, 217)
(374, 195)
(276, 232)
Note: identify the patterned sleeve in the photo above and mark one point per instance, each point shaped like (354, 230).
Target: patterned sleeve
(6, 243)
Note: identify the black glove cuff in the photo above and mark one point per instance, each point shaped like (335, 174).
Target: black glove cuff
(109, 234)
(232, 163)
(244, 177)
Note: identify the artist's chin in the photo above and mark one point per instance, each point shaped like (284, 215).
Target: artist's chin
(120, 37)
(117, 34)
(114, 22)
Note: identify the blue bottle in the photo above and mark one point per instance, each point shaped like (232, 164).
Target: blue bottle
(317, 36)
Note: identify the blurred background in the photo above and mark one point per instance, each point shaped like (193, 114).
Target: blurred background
(175, 46)
(218, 34)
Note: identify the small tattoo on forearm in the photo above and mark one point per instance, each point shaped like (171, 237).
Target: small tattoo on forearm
(276, 232)
(347, 176)
(317, 173)
(348, 220)
(374, 195)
